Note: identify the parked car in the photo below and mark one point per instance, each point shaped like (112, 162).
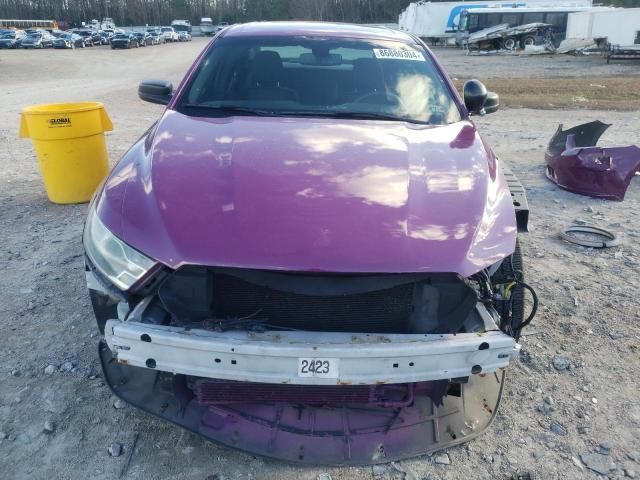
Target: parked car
(156, 37)
(39, 39)
(318, 264)
(144, 39)
(221, 26)
(100, 38)
(11, 38)
(184, 36)
(124, 40)
(69, 40)
(169, 34)
(87, 36)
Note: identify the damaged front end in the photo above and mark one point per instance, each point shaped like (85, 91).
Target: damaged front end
(314, 368)
(575, 163)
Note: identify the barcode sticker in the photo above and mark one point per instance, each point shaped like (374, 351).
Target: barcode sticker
(397, 54)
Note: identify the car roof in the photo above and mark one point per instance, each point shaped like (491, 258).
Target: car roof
(325, 29)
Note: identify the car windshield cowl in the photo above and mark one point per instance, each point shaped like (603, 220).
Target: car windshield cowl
(232, 110)
(320, 77)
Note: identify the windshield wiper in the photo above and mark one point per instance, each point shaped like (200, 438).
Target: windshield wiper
(229, 109)
(236, 109)
(355, 115)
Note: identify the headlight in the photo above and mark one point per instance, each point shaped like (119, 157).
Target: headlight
(121, 264)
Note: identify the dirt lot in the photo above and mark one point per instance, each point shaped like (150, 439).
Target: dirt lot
(589, 302)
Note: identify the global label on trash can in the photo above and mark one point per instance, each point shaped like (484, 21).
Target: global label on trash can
(59, 122)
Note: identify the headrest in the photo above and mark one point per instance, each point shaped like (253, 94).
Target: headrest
(267, 68)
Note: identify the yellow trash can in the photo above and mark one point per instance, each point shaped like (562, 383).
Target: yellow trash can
(70, 146)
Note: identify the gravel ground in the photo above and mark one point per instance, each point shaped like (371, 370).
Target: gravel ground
(58, 420)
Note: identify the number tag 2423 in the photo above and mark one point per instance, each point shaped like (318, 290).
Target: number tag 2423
(318, 367)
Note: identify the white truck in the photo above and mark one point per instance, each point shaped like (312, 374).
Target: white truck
(206, 26)
(169, 34)
(439, 20)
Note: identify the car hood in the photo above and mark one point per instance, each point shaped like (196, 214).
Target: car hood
(311, 194)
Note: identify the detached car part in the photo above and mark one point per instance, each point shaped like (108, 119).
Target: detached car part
(595, 237)
(301, 260)
(576, 164)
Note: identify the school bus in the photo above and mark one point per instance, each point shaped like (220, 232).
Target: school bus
(23, 24)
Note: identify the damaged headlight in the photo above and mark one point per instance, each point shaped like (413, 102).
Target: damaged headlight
(118, 262)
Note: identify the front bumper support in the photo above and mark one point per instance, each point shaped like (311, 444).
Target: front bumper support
(274, 357)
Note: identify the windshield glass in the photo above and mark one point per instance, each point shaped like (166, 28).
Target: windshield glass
(320, 77)
(7, 35)
(34, 35)
(167, 29)
(464, 21)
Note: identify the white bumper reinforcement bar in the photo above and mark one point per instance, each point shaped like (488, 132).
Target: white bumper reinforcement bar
(309, 358)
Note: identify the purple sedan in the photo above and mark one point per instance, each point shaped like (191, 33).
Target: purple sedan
(312, 254)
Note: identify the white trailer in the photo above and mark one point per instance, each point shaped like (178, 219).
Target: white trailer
(436, 20)
(618, 26)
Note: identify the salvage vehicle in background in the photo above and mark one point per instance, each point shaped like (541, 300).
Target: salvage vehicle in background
(156, 37)
(37, 39)
(181, 26)
(124, 40)
(86, 36)
(206, 26)
(144, 38)
(69, 40)
(312, 255)
(169, 34)
(480, 19)
(11, 38)
(184, 36)
(100, 38)
(511, 38)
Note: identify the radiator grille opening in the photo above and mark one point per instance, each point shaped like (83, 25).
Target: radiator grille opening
(224, 298)
(381, 311)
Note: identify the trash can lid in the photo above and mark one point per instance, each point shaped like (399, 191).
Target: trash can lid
(55, 108)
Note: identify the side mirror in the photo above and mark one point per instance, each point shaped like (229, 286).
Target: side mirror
(155, 91)
(478, 100)
(492, 103)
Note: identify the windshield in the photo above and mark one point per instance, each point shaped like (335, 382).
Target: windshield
(464, 21)
(167, 29)
(34, 35)
(7, 35)
(320, 77)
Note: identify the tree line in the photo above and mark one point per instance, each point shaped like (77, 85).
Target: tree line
(161, 12)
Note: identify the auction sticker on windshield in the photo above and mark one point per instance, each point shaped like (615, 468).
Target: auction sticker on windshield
(397, 54)
(318, 367)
